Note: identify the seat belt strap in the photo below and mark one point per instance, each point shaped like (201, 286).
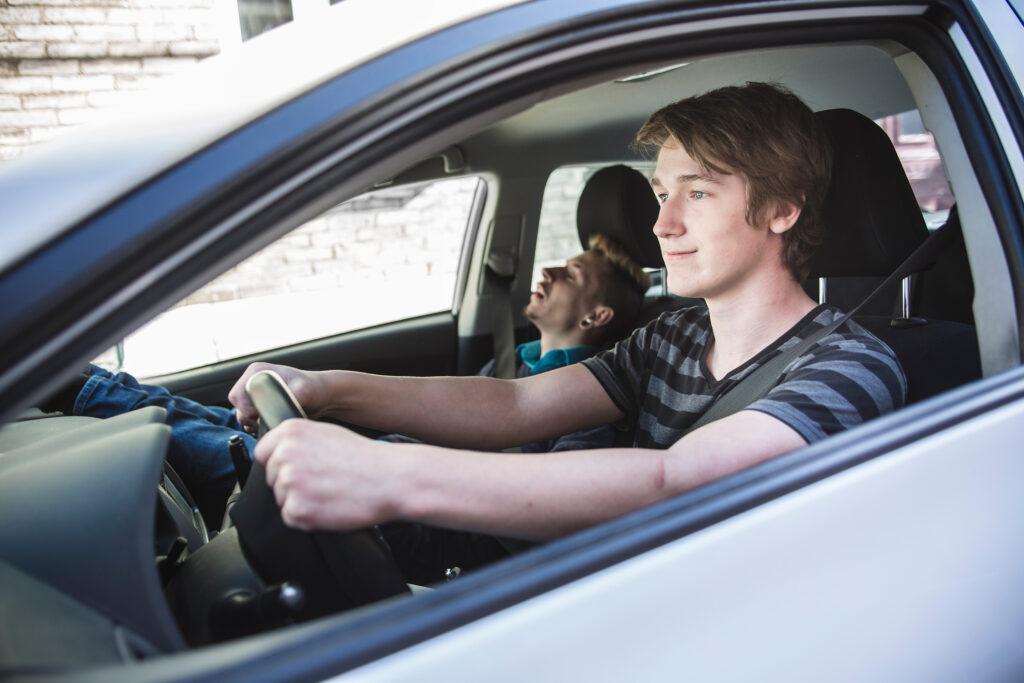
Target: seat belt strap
(766, 376)
(501, 271)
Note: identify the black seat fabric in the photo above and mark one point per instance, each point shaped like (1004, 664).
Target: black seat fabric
(872, 220)
(617, 201)
(947, 289)
(872, 223)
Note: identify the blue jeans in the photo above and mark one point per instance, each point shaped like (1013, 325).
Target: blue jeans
(198, 451)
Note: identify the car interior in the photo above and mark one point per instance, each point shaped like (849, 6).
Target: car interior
(950, 322)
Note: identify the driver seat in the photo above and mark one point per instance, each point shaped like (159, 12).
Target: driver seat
(873, 223)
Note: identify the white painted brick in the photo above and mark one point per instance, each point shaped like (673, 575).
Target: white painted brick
(165, 65)
(48, 67)
(309, 254)
(44, 32)
(19, 15)
(26, 84)
(137, 49)
(186, 16)
(106, 98)
(73, 117)
(162, 32)
(112, 66)
(77, 50)
(22, 49)
(136, 82)
(44, 133)
(14, 136)
(54, 101)
(75, 15)
(104, 33)
(10, 102)
(134, 16)
(159, 4)
(48, 3)
(8, 68)
(198, 48)
(9, 119)
(9, 152)
(207, 31)
(82, 83)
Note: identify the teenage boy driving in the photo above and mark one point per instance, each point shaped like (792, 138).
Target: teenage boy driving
(741, 173)
(578, 308)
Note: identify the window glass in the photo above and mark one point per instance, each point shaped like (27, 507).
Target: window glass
(384, 256)
(557, 239)
(922, 164)
(258, 16)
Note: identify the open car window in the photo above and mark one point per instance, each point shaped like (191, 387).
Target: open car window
(387, 255)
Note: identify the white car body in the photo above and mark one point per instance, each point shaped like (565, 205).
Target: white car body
(890, 552)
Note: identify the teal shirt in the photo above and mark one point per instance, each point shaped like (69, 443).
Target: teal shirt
(529, 354)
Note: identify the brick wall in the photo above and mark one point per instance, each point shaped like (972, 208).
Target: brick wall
(403, 234)
(63, 60)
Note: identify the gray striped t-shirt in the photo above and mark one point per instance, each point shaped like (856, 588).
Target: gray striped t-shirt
(659, 377)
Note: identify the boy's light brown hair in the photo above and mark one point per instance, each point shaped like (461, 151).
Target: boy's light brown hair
(623, 290)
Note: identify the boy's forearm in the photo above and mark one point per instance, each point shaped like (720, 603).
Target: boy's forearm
(536, 496)
(478, 412)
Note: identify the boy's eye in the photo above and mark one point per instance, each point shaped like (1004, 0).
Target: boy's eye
(699, 194)
(662, 197)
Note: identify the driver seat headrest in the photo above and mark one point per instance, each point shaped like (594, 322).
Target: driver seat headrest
(872, 220)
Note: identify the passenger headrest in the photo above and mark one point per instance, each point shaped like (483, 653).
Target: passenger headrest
(872, 220)
(617, 201)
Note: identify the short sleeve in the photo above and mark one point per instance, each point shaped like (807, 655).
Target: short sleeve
(621, 370)
(845, 380)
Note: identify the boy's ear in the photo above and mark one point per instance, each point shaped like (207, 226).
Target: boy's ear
(786, 215)
(600, 316)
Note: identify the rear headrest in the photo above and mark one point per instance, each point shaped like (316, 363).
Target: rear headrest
(617, 201)
(872, 220)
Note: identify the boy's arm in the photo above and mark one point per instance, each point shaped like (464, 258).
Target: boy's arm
(476, 412)
(327, 477)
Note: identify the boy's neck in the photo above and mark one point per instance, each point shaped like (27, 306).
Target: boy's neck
(746, 323)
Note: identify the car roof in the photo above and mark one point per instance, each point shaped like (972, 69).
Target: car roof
(597, 123)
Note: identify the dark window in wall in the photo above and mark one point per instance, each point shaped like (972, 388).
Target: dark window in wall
(257, 16)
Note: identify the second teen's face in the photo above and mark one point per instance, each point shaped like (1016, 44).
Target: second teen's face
(709, 248)
(566, 294)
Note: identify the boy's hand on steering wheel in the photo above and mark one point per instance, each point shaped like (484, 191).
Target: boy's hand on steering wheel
(307, 388)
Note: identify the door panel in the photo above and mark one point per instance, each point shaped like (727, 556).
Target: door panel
(419, 346)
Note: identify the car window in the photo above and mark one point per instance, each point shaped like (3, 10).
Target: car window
(384, 256)
(557, 239)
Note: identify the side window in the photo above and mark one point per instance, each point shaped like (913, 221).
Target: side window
(557, 239)
(922, 163)
(384, 256)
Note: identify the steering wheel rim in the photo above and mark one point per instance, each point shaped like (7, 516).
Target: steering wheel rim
(336, 570)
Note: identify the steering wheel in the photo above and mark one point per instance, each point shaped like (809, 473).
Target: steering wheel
(335, 570)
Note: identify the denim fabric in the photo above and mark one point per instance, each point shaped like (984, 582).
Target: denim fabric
(198, 451)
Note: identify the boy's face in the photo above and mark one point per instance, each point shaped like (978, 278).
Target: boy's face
(566, 293)
(709, 248)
